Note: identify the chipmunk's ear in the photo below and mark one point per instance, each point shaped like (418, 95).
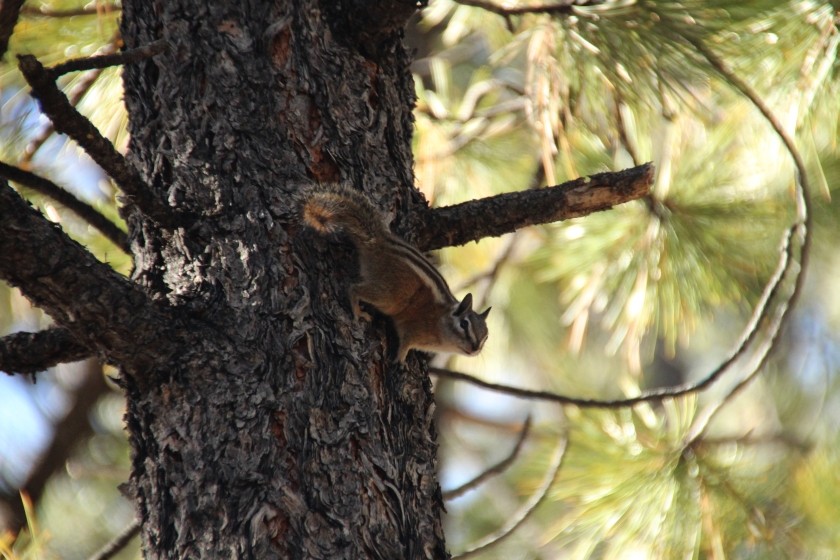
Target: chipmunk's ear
(486, 312)
(465, 305)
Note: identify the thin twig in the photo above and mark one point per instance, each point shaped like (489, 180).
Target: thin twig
(82, 209)
(623, 137)
(549, 396)
(514, 521)
(69, 121)
(750, 332)
(118, 543)
(495, 470)
(563, 7)
(491, 274)
(704, 418)
(803, 199)
(104, 61)
(803, 202)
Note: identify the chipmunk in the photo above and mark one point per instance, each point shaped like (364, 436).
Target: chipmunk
(397, 279)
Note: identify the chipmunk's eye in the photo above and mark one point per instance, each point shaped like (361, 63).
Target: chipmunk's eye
(465, 324)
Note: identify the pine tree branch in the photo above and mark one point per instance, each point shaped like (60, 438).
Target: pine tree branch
(25, 352)
(9, 13)
(104, 61)
(82, 209)
(68, 120)
(101, 309)
(504, 213)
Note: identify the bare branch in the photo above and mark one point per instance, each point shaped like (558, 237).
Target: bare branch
(82, 209)
(75, 96)
(81, 89)
(496, 469)
(103, 310)
(25, 352)
(763, 351)
(118, 543)
(104, 61)
(549, 396)
(518, 518)
(69, 121)
(504, 213)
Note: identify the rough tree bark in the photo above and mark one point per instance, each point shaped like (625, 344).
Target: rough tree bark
(296, 441)
(264, 421)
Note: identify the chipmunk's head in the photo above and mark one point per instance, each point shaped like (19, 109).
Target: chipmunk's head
(466, 330)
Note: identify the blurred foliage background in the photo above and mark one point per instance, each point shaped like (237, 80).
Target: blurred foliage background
(650, 294)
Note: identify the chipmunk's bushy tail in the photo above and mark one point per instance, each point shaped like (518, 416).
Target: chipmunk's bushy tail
(342, 210)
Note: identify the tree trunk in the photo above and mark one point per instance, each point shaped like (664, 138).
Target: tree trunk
(281, 431)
